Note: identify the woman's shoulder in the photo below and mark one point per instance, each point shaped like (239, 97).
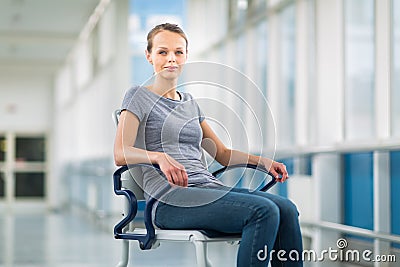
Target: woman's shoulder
(186, 96)
(133, 89)
(137, 91)
(135, 95)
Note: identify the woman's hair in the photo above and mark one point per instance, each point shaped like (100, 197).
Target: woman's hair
(164, 27)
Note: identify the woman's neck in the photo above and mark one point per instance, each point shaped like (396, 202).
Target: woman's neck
(165, 88)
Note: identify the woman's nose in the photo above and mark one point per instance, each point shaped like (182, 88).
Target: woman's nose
(171, 57)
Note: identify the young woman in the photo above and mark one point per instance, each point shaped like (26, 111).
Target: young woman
(160, 125)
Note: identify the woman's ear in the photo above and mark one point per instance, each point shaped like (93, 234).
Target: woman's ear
(148, 57)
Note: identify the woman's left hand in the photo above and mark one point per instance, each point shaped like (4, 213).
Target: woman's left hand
(277, 169)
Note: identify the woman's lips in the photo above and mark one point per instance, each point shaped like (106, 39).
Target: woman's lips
(171, 68)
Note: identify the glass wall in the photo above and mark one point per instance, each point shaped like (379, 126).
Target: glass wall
(358, 190)
(237, 12)
(261, 70)
(242, 7)
(286, 129)
(395, 98)
(144, 15)
(143, 73)
(239, 106)
(312, 74)
(394, 193)
(359, 69)
(282, 188)
(262, 59)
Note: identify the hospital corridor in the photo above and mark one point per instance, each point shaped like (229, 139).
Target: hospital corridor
(311, 84)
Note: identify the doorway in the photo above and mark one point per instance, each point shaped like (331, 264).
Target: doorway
(23, 170)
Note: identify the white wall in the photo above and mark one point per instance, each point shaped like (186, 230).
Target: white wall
(25, 102)
(25, 110)
(86, 94)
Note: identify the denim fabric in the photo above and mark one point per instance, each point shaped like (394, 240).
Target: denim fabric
(264, 220)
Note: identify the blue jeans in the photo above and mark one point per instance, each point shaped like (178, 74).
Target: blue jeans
(264, 220)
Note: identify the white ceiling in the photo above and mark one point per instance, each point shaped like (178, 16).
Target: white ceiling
(40, 33)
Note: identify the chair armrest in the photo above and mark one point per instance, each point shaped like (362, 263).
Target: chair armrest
(249, 166)
(145, 240)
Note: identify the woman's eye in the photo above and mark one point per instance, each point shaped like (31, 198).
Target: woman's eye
(179, 52)
(162, 52)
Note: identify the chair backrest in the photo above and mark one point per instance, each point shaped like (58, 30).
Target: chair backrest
(132, 179)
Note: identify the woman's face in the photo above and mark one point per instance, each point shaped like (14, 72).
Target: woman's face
(168, 54)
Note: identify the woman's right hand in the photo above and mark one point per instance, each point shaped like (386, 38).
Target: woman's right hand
(173, 170)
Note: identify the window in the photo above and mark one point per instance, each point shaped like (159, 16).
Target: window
(394, 194)
(262, 59)
(395, 105)
(2, 185)
(285, 122)
(30, 149)
(143, 16)
(359, 69)
(237, 12)
(242, 7)
(142, 70)
(30, 184)
(282, 188)
(26, 176)
(358, 190)
(304, 165)
(258, 5)
(94, 50)
(238, 105)
(2, 148)
(312, 90)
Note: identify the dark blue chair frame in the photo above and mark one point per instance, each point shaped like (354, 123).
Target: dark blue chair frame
(147, 240)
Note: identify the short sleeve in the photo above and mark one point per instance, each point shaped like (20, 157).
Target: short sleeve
(133, 103)
(201, 114)
(197, 108)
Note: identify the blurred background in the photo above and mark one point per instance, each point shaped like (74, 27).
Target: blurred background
(329, 69)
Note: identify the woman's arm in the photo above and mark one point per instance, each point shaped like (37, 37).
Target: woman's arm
(125, 153)
(225, 156)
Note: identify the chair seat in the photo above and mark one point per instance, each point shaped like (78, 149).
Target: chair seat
(187, 235)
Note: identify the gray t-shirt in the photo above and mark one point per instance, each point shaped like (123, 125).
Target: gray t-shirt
(169, 126)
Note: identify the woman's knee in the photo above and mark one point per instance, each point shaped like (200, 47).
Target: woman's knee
(285, 205)
(266, 210)
(288, 208)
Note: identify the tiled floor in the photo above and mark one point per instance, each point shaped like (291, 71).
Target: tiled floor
(68, 239)
(71, 239)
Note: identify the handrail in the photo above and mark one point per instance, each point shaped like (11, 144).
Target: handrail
(383, 146)
(351, 230)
